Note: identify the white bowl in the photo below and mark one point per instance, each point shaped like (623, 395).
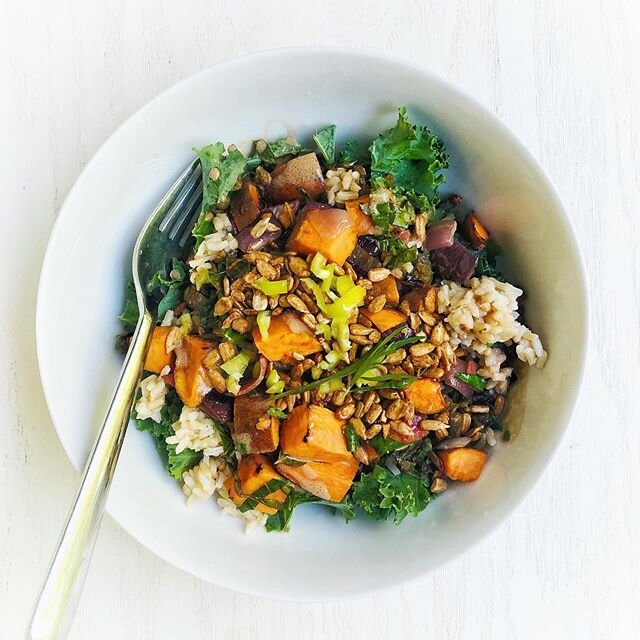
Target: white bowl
(266, 95)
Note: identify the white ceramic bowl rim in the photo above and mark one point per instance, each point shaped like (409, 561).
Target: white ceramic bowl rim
(281, 56)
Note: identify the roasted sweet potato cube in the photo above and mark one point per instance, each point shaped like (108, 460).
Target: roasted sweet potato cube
(254, 471)
(311, 432)
(293, 179)
(362, 222)
(245, 204)
(157, 357)
(463, 464)
(389, 288)
(287, 335)
(191, 381)
(385, 319)
(327, 480)
(254, 430)
(331, 232)
(426, 396)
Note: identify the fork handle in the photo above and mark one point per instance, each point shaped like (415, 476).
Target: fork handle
(60, 592)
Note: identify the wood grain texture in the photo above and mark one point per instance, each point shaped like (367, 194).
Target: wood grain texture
(565, 76)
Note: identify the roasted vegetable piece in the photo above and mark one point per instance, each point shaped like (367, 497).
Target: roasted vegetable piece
(475, 231)
(245, 204)
(426, 396)
(326, 480)
(287, 334)
(389, 288)
(385, 319)
(455, 263)
(331, 232)
(311, 432)
(157, 357)
(372, 454)
(192, 383)
(293, 179)
(463, 464)
(362, 222)
(254, 471)
(254, 430)
(248, 242)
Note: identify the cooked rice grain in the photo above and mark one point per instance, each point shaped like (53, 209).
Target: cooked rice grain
(487, 313)
(154, 390)
(216, 244)
(195, 430)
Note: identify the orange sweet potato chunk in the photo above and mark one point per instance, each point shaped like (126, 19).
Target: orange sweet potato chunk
(327, 480)
(331, 232)
(464, 464)
(287, 334)
(192, 383)
(157, 357)
(426, 396)
(254, 471)
(389, 288)
(362, 222)
(314, 433)
(385, 319)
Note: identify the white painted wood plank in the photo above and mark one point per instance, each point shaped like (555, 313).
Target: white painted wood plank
(565, 76)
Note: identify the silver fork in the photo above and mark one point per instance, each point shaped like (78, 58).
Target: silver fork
(163, 237)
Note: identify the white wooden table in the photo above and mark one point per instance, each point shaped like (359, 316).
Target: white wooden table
(565, 75)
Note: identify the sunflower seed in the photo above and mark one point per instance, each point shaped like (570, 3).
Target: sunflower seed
(373, 414)
(224, 305)
(438, 485)
(379, 274)
(297, 303)
(345, 411)
(377, 304)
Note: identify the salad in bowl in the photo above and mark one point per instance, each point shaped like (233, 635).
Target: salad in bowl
(343, 332)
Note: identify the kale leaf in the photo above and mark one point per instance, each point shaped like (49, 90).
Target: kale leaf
(396, 252)
(280, 520)
(488, 260)
(325, 140)
(169, 288)
(384, 445)
(231, 167)
(381, 494)
(353, 154)
(279, 148)
(176, 463)
(129, 316)
(412, 155)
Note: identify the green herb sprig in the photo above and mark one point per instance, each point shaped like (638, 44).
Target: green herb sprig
(358, 369)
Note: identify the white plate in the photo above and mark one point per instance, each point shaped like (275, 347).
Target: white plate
(266, 95)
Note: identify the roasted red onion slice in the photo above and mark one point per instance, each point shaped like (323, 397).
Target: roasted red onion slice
(455, 262)
(217, 407)
(253, 383)
(440, 234)
(247, 242)
(451, 378)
